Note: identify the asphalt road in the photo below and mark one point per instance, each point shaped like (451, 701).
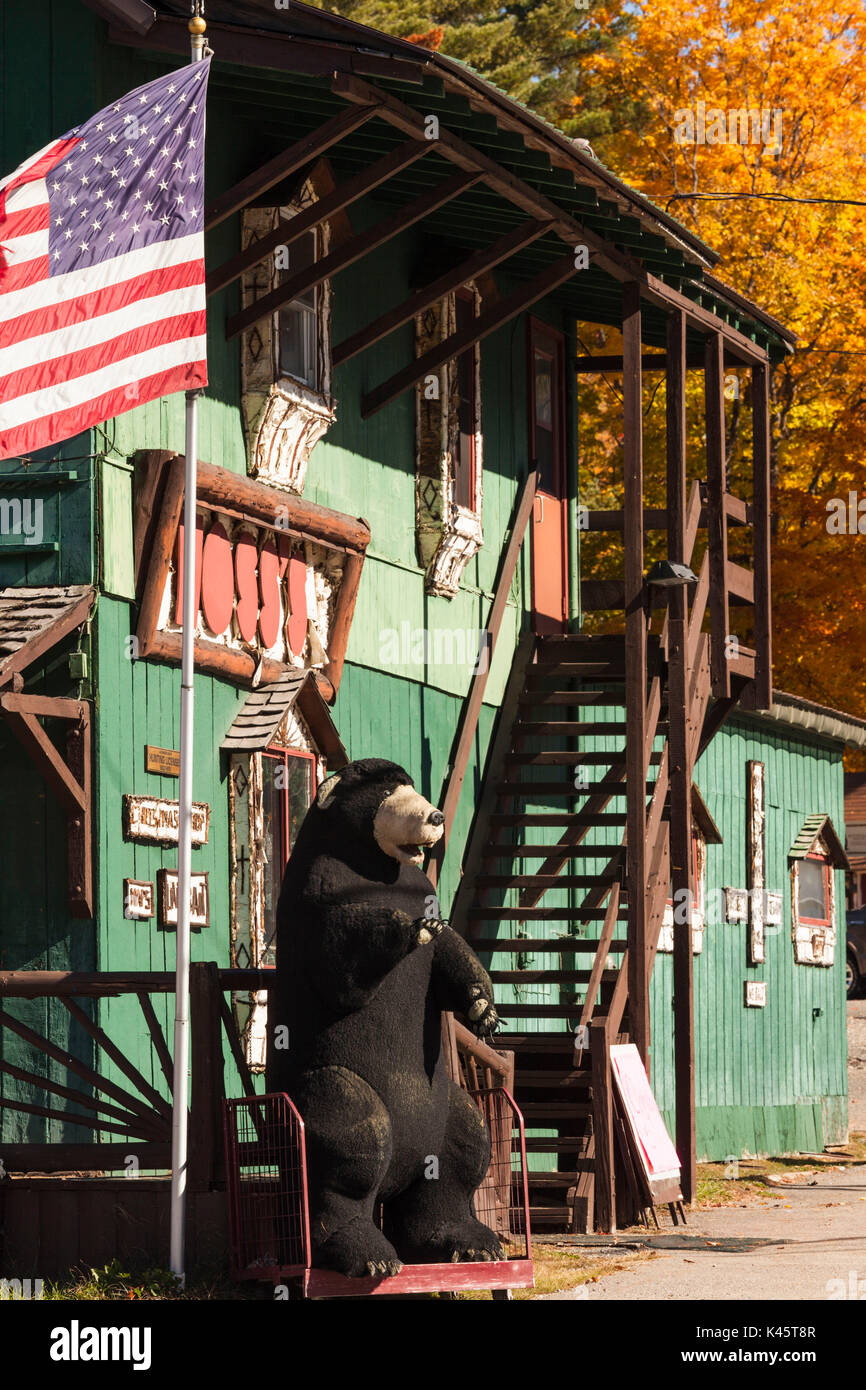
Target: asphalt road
(818, 1233)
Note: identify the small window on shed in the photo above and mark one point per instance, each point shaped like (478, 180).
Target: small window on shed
(814, 856)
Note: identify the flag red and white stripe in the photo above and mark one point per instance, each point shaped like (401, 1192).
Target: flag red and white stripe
(102, 284)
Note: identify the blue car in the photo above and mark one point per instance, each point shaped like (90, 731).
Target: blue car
(855, 961)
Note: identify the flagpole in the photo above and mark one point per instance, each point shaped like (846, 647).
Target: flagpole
(180, 1113)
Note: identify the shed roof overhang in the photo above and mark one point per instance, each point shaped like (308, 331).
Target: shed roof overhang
(526, 166)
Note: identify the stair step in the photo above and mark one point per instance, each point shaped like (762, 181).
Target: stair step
(566, 728)
(566, 757)
(559, 1042)
(547, 977)
(578, 944)
(536, 1011)
(569, 669)
(556, 1144)
(555, 1080)
(545, 880)
(552, 819)
(567, 1178)
(535, 1111)
(531, 790)
(571, 697)
(496, 850)
(550, 1216)
(541, 914)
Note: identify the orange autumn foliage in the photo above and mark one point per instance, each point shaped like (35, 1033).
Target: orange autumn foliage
(804, 262)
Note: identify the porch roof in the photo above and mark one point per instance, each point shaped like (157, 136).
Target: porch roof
(33, 620)
(290, 95)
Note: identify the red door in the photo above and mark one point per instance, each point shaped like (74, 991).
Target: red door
(547, 450)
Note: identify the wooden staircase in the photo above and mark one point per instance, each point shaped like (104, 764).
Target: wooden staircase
(546, 903)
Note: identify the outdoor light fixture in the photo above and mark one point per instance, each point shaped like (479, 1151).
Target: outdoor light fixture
(667, 575)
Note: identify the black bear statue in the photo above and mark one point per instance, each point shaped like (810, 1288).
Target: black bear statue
(365, 967)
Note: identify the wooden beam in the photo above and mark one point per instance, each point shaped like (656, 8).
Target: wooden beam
(478, 264)
(325, 207)
(761, 523)
(79, 824)
(602, 1125)
(635, 670)
(623, 268)
(680, 771)
(282, 165)
(486, 323)
(46, 757)
(717, 526)
(650, 361)
(352, 251)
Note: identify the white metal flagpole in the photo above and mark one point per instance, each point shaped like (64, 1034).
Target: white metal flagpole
(179, 1114)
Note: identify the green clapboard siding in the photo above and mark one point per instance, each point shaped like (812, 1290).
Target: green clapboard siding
(769, 1080)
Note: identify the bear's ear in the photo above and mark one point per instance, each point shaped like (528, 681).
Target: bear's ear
(326, 791)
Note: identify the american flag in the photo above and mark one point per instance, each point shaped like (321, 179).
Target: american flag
(102, 294)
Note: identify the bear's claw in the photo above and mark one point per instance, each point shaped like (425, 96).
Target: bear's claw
(386, 1268)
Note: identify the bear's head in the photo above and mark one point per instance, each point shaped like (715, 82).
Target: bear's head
(375, 801)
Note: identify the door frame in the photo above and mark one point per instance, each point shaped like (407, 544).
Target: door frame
(536, 330)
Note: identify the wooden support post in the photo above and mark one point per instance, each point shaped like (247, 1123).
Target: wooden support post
(207, 1089)
(682, 875)
(761, 525)
(635, 671)
(717, 525)
(602, 1126)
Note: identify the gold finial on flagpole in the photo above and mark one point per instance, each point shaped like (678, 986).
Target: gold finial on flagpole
(197, 30)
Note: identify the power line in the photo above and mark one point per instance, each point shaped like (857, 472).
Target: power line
(767, 197)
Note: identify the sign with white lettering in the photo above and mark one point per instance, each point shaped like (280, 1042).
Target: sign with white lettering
(199, 899)
(155, 821)
(137, 900)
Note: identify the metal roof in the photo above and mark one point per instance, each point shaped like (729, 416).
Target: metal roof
(32, 620)
(265, 708)
(814, 826)
(475, 109)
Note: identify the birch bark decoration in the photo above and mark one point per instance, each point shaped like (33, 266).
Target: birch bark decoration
(756, 866)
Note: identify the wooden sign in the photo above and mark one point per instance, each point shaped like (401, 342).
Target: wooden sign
(755, 994)
(165, 761)
(137, 900)
(199, 899)
(153, 820)
(660, 1165)
(736, 905)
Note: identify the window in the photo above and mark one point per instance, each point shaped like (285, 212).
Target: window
(288, 788)
(816, 854)
(297, 326)
(449, 465)
(269, 795)
(814, 895)
(466, 392)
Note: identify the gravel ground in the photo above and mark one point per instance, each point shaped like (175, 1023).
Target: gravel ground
(818, 1233)
(857, 1064)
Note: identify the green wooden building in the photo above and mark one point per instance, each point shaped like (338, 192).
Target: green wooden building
(398, 258)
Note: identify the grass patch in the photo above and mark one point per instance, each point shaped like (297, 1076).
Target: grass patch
(116, 1283)
(715, 1189)
(558, 1269)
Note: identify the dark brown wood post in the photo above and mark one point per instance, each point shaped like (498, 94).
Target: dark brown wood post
(717, 526)
(761, 532)
(207, 1091)
(602, 1125)
(682, 875)
(635, 671)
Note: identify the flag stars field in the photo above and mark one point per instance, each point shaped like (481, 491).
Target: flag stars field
(120, 300)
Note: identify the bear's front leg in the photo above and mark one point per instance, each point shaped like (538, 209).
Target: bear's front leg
(348, 1153)
(357, 946)
(461, 984)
